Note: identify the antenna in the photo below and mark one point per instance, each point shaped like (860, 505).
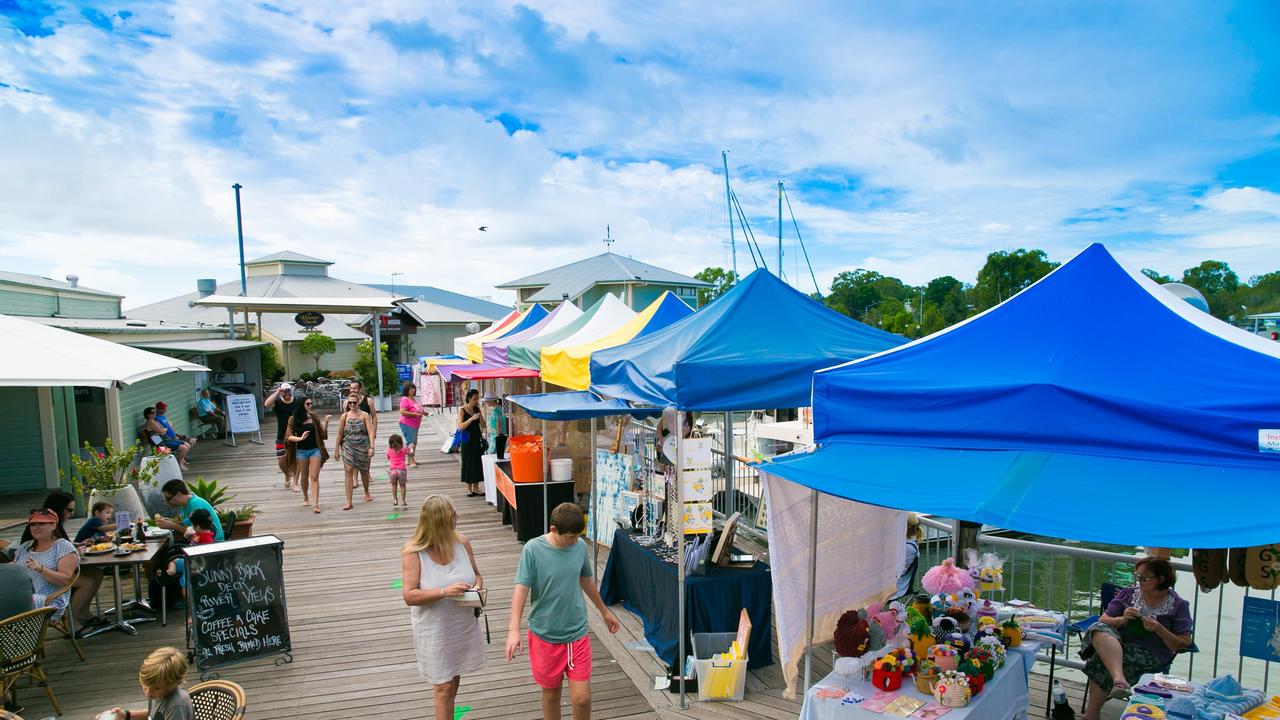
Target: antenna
(608, 239)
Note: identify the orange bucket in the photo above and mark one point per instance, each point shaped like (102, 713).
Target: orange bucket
(525, 452)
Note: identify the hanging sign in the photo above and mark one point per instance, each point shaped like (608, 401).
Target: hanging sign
(390, 325)
(309, 319)
(1259, 631)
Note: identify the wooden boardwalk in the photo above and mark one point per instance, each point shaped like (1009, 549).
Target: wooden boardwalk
(352, 645)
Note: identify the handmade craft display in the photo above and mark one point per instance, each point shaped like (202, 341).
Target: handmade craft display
(1011, 633)
(927, 672)
(921, 638)
(952, 689)
(945, 657)
(987, 571)
(886, 673)
(945, 578)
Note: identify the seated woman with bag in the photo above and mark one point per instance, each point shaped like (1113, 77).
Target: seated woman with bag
(1140, 632)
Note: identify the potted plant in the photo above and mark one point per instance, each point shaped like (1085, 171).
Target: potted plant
(240, 519)
(243, 525)
(110, 476)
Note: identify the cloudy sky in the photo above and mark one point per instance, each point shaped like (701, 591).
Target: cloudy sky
(913, 140)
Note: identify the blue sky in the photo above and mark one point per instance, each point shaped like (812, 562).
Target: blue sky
(913, 140)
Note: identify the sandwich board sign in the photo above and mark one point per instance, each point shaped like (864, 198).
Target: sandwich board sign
(242, 417)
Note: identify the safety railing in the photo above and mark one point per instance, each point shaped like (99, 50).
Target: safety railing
(1068, 578)
(744, 495)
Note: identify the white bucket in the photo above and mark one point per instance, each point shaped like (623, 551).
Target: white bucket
(562, 470)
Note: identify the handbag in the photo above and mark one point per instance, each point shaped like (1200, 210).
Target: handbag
(460, 438)
(484, 445)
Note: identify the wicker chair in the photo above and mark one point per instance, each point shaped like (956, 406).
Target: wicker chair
(218, 700)
(64, 623)
(22, 651)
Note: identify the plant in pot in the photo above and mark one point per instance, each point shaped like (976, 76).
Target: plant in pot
(239, 520)
(237, 523)
(110, 476)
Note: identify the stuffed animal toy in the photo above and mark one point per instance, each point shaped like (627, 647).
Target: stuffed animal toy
(961, 617)
(968, 599)
(993, 645)
(952, 689)
(944, 626)
(945, 657)
(946, 578)
(921, 638)
(959, 641)
(922, 605)
(1011, 633)
(987, 571)
(887, 621)
(853, 634)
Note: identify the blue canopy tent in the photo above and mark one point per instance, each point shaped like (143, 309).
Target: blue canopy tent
(757, 346)
(577, 405)
(1093, 383)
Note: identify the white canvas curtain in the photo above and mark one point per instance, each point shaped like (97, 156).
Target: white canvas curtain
(859, 559)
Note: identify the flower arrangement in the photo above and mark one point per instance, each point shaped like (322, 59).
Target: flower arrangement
(108, 471)
(982, 660)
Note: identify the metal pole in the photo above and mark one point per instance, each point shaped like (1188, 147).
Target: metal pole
(733, 247)
(813, 584)
(377, 347)
(546, 467)
(779, 229)
(679, 461)
(731, 502)
(244, 285)
(595, 548)
(231, 323)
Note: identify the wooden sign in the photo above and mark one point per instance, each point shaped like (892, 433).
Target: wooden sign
(235, 601)
(1235, 567)
(1209, 568)
(1262, 567)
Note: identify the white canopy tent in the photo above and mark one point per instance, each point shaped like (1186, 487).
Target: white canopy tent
(43, 356)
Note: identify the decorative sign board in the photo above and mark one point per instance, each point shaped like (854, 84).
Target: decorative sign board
(309, 319)
(1259, 629)
(229, 378)
(404, 372)
(235, 601)
(242, 413)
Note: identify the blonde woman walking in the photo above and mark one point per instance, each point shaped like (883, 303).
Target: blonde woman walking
(437, 566)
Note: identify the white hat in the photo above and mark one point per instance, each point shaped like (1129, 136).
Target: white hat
(286, 387)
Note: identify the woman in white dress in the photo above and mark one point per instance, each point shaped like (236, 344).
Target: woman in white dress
(438, 565)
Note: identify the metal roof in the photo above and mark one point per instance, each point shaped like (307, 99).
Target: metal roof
(578, 277)
(51, 284)
(287, 304)
(288, 256)
(432, 304)
(199, 346)
(124, 325)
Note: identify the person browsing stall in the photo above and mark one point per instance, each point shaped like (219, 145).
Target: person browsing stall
(178, 495)
(1140, 632)
(555, 573)
(411, 414)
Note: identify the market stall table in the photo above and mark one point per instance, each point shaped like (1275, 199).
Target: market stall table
(647, 586)
(521, 504)
(1004, 698)
(114, 562)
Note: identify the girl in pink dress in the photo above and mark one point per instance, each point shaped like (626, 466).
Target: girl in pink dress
(397, 471)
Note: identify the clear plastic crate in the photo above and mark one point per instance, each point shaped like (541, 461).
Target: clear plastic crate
(719, 680)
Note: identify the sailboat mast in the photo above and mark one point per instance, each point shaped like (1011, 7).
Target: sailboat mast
(779, 229)
(728, 199)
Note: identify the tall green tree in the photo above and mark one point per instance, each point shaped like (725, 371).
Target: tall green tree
(1007, 273)
(1155, 275)
(317, 345)
(721, 280)
(1218, 283)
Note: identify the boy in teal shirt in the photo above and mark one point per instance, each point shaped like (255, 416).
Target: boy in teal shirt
(555, 572)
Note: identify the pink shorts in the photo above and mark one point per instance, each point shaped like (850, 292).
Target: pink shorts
(398, 476)
(552, 662)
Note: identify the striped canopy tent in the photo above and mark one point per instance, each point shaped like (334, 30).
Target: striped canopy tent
(528, 353)
(460, 344)
(531, 317)
(569, 366)
(495, 352)
(611, 317)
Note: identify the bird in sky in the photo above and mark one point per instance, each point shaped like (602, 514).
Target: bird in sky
(484, 228)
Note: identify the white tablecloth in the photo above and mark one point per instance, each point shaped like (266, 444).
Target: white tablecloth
(1004, 698)
(490, 483)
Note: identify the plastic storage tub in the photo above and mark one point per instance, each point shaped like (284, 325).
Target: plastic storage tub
(718, 679)
(562, 470)
(525, 452)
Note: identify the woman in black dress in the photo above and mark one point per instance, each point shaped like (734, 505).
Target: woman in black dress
(471, 421)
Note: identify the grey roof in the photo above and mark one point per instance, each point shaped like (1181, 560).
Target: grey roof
(578, 277)
(51, 284)
(288, 256)
(125, 325)
(199, 346)
(282, 326)
(434, 305)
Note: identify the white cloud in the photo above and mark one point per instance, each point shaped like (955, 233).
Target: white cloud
(1244, 200)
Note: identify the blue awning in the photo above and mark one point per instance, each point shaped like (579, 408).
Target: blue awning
(1094, 405)
(755, 347)
(577, 406)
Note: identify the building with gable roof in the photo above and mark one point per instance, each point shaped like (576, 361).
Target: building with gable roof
(586, 281)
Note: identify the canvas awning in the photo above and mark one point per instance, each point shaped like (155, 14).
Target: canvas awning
(495, 351)
(577, 406)
(478, 372)
(754, 347)
(41, 356)
(460, 344)
(1053, 396)
(569, 366)
(528, 353)
(531, 317)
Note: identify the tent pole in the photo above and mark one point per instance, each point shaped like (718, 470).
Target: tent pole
(377, 348)
(595, 519)
(813, 582)
(679, 511)
(730, 492)
(546, 468)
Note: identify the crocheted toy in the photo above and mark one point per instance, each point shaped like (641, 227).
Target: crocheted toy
(968, 599)
(982, 660)
(886, 673)
(974, 677)
(946, 578)
(961, 617)
(945, 657)
(927, 673)
(921, 604)
(952, 689)
(1011, 633)
(853, 634)
(921, 638)
(992, 644)
(887, 621)
(959, 641)
(987, 571)
(944, 626)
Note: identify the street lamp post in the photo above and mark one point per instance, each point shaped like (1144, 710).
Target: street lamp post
(393, 281)
(867, 309)
(244, 285)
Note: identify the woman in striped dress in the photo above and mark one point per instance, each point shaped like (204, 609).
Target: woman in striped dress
(355, 428)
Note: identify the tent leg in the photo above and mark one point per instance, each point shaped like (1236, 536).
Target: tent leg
(679, 511)
(813, 582)
(546, 468)
(595, 518)
(377, 348)
(730, 492)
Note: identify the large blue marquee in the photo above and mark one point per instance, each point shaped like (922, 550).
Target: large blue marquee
(1094, 405)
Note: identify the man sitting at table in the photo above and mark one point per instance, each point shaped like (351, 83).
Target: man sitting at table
(161, 409)
(177, 494)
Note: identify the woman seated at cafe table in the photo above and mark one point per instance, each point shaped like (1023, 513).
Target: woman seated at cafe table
(50, 560)
(1140, 632)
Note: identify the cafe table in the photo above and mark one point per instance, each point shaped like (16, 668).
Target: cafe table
(114, 563)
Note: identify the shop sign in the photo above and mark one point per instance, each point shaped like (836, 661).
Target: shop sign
(308, 319)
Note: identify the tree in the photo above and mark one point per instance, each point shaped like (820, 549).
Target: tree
(272, 370)
(939, 288)
(1218, 283)
(854, 292)
(1154, 275)
(933, 320)
(1005, 274)
(368, 372)
(317, 345)
(721, 280)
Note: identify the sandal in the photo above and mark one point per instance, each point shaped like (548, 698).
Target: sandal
(315, 509)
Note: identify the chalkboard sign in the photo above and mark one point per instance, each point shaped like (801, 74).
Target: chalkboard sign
(235, 600)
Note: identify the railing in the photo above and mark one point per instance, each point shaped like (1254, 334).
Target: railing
(1066, 578)
(747, 496)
